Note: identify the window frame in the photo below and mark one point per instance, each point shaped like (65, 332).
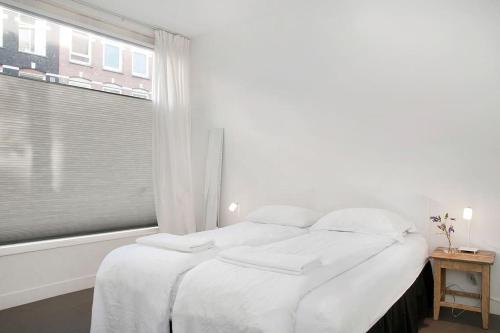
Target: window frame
(31, 42)
(17, 248)
(2, 17)
(120, 56)
(145, 54)
(38, 27)
(71, 52)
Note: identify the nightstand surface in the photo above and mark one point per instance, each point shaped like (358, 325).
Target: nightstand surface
(479, 262)
(481, 257)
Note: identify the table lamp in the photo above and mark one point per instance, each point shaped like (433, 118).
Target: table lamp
(234, 207)
(467, 216)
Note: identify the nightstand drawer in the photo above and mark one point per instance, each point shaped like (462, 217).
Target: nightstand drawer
(461, 266)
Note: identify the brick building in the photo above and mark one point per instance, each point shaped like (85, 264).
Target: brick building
(29, 46)
(96, 62)
(37, 48)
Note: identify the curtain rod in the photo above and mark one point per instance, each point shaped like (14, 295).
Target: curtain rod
(80, 14)
(123, 17)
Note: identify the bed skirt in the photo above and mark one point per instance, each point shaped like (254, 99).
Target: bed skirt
(411, 309)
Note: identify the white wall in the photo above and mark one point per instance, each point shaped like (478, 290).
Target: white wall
(388, 103)
(32, 276)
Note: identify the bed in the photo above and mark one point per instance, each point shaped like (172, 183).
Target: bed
(361, 296)
(374, 287)
(136, 284)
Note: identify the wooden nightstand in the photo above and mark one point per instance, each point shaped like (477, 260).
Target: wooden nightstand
(480, 262)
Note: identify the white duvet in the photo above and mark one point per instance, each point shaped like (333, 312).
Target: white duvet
(221, 297)
(372, 288)
(136, 284)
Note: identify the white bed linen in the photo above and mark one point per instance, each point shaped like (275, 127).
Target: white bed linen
(184, 243)
(259, 258)
(225, 298)
(354, 301)
(135, 284)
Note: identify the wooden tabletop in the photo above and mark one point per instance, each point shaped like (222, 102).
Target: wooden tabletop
(481, 257)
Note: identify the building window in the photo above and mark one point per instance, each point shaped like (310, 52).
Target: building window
(2, 17)
(112, 56)
(140, 63)
(140, 93)
(32, 33)
(80, 48)
(112, 88)
(80, 82)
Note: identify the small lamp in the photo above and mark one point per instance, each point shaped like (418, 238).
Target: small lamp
(467, 216)
(234, 207)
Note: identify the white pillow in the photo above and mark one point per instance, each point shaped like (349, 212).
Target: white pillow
(368, 221)
(284, 215)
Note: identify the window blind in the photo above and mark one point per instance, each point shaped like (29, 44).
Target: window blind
(72, 161)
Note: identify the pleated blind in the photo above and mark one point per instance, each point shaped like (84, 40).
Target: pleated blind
(72, 161)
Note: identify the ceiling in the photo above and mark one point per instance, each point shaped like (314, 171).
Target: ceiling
(188, 17)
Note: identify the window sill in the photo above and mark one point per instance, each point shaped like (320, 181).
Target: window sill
(140, 76)
(7, 250)
(81, 63)
(33, 54)
(111, 69)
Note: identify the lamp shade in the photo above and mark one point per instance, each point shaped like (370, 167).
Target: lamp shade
(233, 207)
(467, 214)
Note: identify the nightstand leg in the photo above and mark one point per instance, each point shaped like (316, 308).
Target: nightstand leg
(437, 289)
(443, 284)
(485, 296)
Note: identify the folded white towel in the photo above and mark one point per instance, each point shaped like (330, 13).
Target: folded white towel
(184, 243)
(269, 260)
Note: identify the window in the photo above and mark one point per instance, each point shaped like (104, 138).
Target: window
(140, 64)
(80, 48)
(71, 55)
(80, 82)
(32, 35)
(140, 93)
(112, 57)
(112, 88)
(2, 17)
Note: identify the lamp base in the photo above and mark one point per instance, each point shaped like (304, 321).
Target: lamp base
(465, 249)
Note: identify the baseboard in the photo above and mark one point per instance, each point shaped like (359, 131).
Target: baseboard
(20, 297)
(495, 306)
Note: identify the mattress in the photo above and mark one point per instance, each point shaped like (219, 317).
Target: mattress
(354, 301)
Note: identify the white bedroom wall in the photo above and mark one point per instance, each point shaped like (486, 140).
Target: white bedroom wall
(32, 276)
(330, 104)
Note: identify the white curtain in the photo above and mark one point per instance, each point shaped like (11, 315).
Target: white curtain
(172, 179)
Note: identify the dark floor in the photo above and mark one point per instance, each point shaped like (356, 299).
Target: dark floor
(70, 313)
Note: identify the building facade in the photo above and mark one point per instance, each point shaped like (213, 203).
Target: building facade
(91, 61)
(29, 46)
(36, 48)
